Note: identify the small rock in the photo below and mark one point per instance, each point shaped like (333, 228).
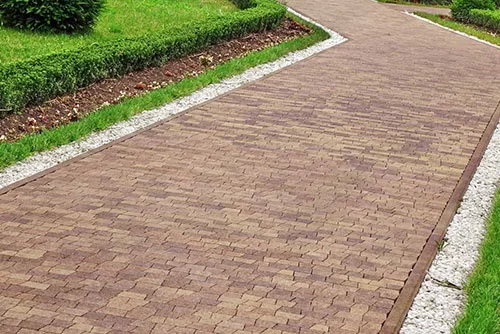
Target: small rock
(140, 86)
(206, 60)
(31, 121)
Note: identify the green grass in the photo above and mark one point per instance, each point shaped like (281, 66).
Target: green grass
(13, 152)
(120, 19)
(482, 311)
(411, 3)
(470, 30)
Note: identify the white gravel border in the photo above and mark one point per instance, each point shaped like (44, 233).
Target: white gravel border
(45, 160)
(438, 305)
(440, 300)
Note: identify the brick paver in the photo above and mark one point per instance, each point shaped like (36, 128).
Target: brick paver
(412, 9)
(296, 204)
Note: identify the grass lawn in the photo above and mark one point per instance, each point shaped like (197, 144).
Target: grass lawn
(470, 30)
(12, 152)
(482, 312)
(411, 3)
(120, 19)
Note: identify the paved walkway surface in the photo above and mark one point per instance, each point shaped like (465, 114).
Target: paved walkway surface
(412, 9)
(296, 204)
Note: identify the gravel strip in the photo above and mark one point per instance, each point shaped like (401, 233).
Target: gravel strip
(440, 299)
(45, 160)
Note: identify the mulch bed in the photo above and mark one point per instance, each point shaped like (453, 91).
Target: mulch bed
(71, 107)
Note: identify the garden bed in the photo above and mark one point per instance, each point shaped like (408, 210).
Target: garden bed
(142, 105)
(71, 107)
(38, 79)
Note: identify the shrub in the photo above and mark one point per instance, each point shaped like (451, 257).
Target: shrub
(39, 79)
(61, 16)
(489, 19)
(460, 9)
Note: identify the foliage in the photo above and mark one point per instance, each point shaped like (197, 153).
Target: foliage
(48, 16)
(460, 9)
(488, 19)
(120, 19)
(41, 78)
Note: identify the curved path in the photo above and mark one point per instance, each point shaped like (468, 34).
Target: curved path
(306, 202)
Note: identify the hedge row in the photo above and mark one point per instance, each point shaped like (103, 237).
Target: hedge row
(39, 79)
(489, 19)
(460, 10)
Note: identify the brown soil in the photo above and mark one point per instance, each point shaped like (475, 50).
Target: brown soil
(73, 106)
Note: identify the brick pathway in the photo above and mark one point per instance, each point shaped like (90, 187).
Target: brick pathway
(297, 204)
(412, 9)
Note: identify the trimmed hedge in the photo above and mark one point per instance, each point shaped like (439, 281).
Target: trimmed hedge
(460, 9)
(38, 79)
(489, 19)
(62, 16)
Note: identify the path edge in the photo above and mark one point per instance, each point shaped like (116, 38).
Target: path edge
(397, 315)
(335, 37)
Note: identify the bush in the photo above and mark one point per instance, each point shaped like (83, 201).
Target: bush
(489, 19)
(460, 9)
(49, 16)
(39, 79)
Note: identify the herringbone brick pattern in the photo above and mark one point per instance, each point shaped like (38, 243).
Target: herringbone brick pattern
(296, 204)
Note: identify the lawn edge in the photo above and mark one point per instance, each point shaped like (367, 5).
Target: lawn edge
(41, 161)
(461, 33)
(398, 319)
(413, 289)
(468, 321)
(416, 4)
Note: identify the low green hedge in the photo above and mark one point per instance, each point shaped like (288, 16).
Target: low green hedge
(38, 79)
(460, 9)
(489, 19)
(49, 16)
